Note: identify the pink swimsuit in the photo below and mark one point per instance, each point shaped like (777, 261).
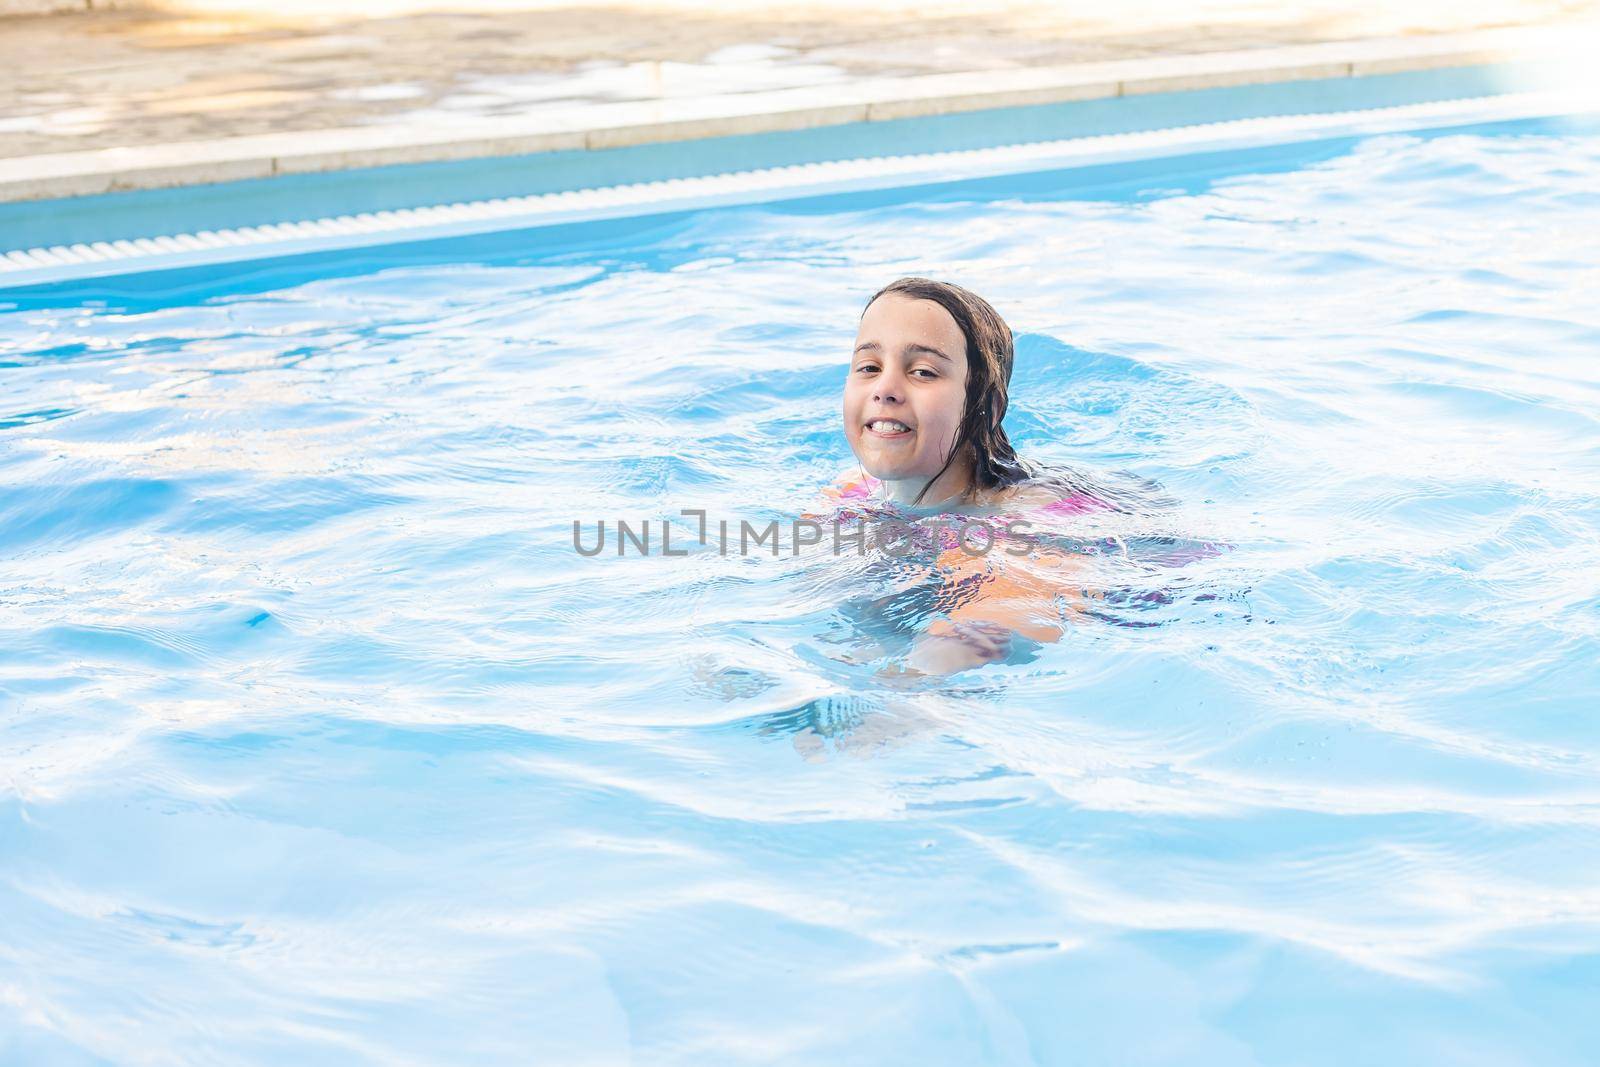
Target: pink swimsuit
(865, 486)
(854, 489)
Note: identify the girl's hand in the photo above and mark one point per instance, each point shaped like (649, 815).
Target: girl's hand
(949, 647)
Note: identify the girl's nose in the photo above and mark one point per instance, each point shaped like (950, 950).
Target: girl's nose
(887, 389)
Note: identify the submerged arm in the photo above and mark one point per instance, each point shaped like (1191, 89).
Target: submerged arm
(1011, 596)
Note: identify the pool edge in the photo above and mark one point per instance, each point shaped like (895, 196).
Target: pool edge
(29, 268)
(593, 127)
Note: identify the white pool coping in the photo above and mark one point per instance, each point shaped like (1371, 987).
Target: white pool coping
(82, 261)
(614, 125)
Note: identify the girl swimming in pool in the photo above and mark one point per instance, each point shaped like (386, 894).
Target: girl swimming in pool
(924, 404)
(926, 397)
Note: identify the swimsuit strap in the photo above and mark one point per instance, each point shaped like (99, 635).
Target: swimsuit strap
(864, 486)
(853, 487)
(1074, 504)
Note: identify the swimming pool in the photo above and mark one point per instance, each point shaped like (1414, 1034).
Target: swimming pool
(321, 744)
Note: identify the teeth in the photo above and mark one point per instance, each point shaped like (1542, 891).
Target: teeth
(887, 426)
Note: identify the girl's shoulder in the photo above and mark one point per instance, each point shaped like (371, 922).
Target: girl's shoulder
(1044, 498)
(851, 485)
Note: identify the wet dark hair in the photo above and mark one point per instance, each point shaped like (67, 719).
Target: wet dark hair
(990, 353)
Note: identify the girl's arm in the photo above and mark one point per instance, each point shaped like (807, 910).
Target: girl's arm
(1013, 596)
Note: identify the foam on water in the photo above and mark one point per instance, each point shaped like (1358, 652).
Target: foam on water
(319, 743)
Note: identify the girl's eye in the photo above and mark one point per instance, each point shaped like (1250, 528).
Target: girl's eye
(928, 375)
(866, 368)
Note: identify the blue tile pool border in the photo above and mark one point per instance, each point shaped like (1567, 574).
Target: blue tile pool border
(289, 201)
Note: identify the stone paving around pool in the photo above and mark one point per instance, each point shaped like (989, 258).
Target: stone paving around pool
(137, 76)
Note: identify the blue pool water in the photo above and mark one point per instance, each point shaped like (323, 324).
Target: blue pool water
(320, 744)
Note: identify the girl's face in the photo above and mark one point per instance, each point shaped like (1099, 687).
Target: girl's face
(907, 388)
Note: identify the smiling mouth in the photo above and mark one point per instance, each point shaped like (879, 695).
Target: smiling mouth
(888, 428)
